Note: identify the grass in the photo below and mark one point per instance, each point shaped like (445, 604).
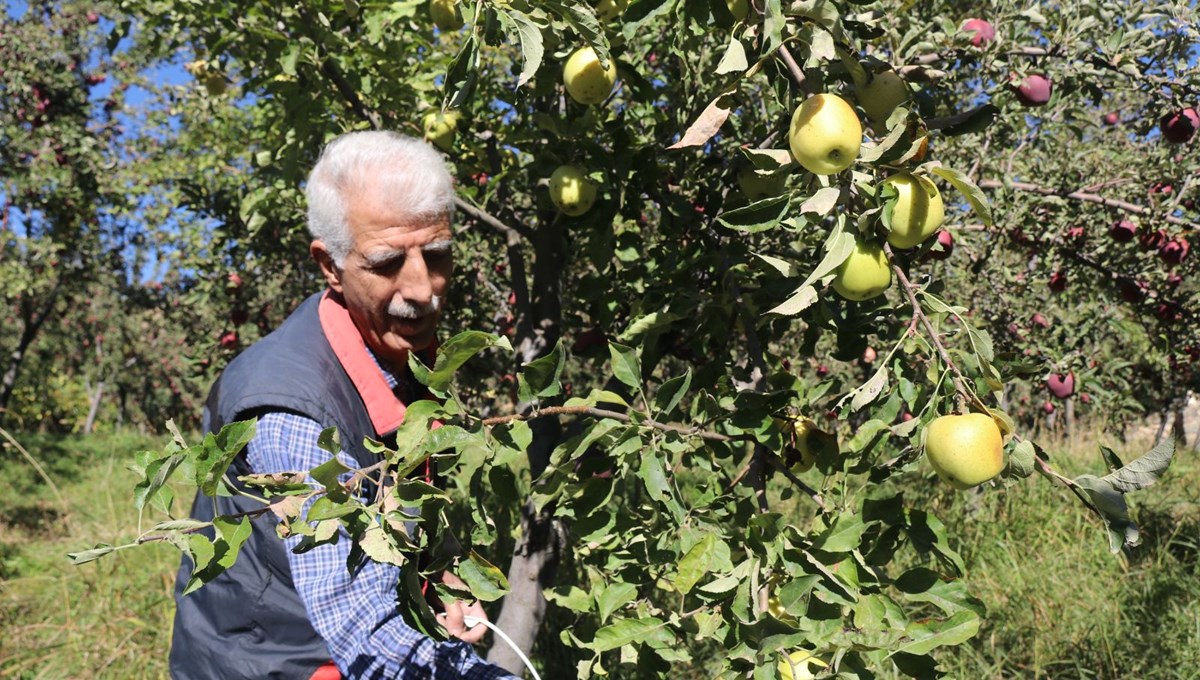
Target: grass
(107, 619)
(1059, 604)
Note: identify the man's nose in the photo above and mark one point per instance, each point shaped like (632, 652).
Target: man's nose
(414, 284)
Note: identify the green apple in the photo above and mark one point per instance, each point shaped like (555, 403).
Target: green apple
(825, 134)
(803, 662)
(805, 443)
(965, 450)
(917, 212)
(738, 8)
(757, 185)
(440, 128)
(608, 10)
(586, 80)
(865, 274)
(445, 14)
(571, 191)
(881, 95)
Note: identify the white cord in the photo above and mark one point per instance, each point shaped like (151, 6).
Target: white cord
(471, 622)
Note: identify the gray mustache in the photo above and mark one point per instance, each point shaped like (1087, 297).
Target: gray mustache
(407, 311)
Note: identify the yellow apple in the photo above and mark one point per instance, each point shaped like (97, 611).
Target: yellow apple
(587, 82)
(445, 14)
(865, 274)
(738, 8)
(806, 442)
(825, 135)
(965, 450)
(610, 9)
(440, 128)
(571, 191)
(803, 661)
(917, 212)
(757, 185)
(881, 95)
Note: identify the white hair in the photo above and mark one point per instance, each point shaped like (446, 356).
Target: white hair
(409, 170)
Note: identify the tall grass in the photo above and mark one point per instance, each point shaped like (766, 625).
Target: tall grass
(107, 619)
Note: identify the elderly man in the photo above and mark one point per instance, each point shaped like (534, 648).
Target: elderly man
(380, 207)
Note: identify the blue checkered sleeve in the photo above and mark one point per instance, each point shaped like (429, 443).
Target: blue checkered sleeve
(357, 616)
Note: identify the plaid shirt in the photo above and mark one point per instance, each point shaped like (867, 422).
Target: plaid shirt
(355, 615)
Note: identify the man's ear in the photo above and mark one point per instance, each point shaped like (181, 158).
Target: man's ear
(333, 275)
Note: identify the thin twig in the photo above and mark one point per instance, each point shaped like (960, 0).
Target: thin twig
(1088, 198)
(797, 73)
(605, 413)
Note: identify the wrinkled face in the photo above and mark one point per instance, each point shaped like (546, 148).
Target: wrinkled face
(395, 276)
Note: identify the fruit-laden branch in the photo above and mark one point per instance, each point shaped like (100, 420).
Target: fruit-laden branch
(1088, 198)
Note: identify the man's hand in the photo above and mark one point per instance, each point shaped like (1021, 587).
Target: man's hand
(457, 610)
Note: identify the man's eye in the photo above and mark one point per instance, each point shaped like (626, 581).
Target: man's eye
(438, 256)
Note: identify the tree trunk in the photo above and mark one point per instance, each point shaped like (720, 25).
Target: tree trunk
(95, 407)
(1070, 418)
(1178, 427)
(33, 323)
(537, 554)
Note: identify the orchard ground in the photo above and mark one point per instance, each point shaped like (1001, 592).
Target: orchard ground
(1060, 605)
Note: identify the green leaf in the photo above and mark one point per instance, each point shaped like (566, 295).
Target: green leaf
(377, 545)
(86, 556)
(613, 597)
(785, 268)
(801, 300)
(868, 391)
(528, 35)
(671, 392)
(929, 635)
(758, 216)
(217, 452)
(326, 474)
(973, 193)
(734, 60)
(1122, 531)
(695, 565)
(329, 440)
(1021, 459)
(484, 579)
(540, 377)
(843, 536)
(926, 585)
(462, 74)
(626, 631)
(583, 19)
(823, 202)
(625, 365)
(1144, 470)
(456, 352)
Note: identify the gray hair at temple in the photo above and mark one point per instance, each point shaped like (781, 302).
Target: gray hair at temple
(412, 173)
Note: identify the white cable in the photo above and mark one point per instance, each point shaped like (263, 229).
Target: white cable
(471, 622)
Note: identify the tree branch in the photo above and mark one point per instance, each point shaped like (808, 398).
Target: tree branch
(513, 234)
(605, 413)
(1088, 198)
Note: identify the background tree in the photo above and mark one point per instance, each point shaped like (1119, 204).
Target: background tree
(683, 327)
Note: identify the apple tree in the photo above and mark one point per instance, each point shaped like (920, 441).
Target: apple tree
(742, 287)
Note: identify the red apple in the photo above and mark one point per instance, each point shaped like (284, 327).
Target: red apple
(1034, 90)
(1161, 188)
(1039, 320)
(1048, 408)
(233, 282)
(1112, 118)
(1168, 312)
(93, 18)
(869, 355)
(229, 340)
(1174, 250)
(1122, 231)
(1179, 126)
(981, 31)
(1075, 234)
(822, 371)
(945, 242)
(1085, 398)
(1152, 239)
(1058, 281)
(1061, 385)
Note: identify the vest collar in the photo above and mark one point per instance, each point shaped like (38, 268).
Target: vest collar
(384, 408)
